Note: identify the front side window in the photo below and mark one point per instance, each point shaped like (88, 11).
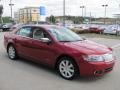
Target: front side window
(25, 31)
(39, 33)
(63, 34)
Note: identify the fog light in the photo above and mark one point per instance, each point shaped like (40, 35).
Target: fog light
(98, 72)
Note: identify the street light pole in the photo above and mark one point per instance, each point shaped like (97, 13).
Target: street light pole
(85, 11)
(82, 7)
(11, 5)
(105, 12)
(51, 17)
(64, 12)
(90, 18)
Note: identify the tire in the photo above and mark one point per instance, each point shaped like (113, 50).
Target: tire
(12, 54)
(67, 68)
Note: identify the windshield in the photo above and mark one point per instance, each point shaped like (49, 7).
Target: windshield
(64, 34)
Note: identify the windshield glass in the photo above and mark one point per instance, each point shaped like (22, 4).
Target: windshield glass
(64, 34)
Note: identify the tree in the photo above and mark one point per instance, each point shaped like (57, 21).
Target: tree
(78, 20)
(6, 19)
(1, 12)
(52, 19)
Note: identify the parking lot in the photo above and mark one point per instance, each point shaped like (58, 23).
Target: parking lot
(24, 75)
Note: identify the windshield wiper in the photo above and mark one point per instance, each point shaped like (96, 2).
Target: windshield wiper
(64, 41)
(82, 39)
(79, 40)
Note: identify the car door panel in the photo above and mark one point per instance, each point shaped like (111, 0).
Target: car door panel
(23, 45)
(24, 41)
(44, 52)
(26, 46)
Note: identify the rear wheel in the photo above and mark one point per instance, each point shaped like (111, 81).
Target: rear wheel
(12, 52)
(67, 68)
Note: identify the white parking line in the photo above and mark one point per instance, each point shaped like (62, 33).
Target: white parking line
(115, 46)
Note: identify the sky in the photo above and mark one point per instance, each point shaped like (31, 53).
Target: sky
(55, 7)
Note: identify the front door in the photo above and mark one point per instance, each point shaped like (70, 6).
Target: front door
(43, 52)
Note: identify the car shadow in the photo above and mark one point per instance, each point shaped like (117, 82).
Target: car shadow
(37, 68)
(30, 65)
(90, 79)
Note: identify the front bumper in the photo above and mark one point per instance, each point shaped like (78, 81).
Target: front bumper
(95, 68)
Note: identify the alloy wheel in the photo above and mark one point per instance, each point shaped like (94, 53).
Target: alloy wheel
(11, 52)
(66, 69)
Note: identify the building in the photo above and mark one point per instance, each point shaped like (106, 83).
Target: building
(16, 17)
(59, 19)
(28, 15)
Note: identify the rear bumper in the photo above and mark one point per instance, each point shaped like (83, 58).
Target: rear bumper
(95, 68)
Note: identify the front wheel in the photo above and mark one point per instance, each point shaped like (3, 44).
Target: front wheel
(67, 68)
(12, 52)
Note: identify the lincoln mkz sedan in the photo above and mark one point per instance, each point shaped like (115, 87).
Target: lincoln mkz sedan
(59, 48)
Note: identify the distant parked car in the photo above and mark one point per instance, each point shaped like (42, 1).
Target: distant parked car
(95, 29)
(78, 26)
(112, 29)
(69, 26)
(7, 26)
(16, 26)
(101, 28)
(1, 26)
(86, 27)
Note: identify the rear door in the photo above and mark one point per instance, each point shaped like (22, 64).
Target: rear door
(24, 41)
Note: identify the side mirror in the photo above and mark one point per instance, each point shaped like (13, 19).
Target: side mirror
(45, 40)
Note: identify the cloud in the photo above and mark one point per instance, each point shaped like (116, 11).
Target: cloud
(55, 7)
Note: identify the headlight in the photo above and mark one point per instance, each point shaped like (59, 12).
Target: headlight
(108, 57)
(96, 58)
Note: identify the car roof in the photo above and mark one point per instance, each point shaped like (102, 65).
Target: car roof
(47, 27)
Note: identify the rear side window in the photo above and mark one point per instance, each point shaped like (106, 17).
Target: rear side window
(25, 31)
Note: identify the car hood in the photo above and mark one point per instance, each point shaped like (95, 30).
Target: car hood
(86, 47)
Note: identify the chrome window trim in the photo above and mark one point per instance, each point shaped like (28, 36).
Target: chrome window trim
(29, 37)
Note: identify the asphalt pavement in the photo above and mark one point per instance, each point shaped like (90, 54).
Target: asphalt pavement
(24, 75)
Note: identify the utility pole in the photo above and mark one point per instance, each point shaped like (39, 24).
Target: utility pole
(85, 11)
(11, 5)
(90, 18)
(1, 12)
(37, 18)
(105, 6)
(64, 16)
(82, 7)
(51, 17)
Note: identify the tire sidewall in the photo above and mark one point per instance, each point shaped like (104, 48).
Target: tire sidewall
(15, 57)
(73, 63)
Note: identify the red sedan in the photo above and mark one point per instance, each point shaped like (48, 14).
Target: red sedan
(59, 48)
(96, 29)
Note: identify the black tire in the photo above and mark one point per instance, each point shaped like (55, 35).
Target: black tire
(12, 54)
(71, 71)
